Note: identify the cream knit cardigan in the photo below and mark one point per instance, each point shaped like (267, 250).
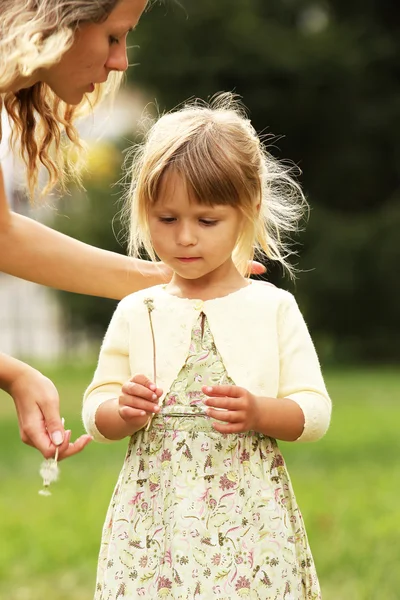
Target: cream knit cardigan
(258, 330)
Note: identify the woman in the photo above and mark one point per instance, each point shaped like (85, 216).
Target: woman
(57, 59)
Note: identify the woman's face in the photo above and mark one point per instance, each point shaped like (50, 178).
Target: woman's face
(98, 49)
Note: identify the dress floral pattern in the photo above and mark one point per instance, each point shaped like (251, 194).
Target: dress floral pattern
(201, 515)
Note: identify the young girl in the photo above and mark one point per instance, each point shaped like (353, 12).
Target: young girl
(204, 374)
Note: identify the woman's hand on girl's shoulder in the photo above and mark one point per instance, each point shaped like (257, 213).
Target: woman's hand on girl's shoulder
(256, 268)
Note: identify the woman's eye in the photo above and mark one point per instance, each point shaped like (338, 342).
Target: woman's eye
(113, 40)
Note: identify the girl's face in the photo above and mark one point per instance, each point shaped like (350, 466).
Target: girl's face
(98, 49)
(195, 240)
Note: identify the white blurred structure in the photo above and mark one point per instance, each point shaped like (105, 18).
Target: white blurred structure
(31, 323)
(30, 319)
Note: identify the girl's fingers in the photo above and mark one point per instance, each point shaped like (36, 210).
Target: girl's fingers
(232, 391)
(138, 404)
(139, 391)
(227, 416)
(127, 413)
(146, 383)
(142, 380)
(225, 403)
(228, 427)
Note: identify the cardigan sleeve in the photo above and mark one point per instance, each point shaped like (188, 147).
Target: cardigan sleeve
(300, 377)
(112, 372)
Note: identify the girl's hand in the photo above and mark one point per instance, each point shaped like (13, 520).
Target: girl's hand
(138, 401)
(240, 408)
(37, 403)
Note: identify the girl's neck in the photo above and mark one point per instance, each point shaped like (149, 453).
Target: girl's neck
(206, 288)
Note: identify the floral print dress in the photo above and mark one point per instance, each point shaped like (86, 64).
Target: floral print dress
(201, 515)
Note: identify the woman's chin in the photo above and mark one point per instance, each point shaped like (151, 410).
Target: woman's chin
(71, 97)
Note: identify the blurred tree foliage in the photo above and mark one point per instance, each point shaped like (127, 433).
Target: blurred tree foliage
(92, 217)
(324, 77)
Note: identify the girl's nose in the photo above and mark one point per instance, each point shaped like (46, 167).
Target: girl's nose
(186, 236)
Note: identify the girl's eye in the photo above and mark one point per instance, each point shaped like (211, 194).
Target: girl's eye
(166, 219)
(208, 222)
(113, 40)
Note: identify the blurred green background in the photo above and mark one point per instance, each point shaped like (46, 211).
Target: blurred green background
(346, 486)
(323, 77)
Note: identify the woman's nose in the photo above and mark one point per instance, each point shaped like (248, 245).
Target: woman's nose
(118, 58)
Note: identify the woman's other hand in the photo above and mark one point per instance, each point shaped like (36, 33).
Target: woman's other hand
(37, 403)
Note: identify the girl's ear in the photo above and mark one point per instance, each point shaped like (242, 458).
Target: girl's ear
(258, 207)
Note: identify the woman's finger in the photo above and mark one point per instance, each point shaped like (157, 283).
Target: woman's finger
(75, 447)
(64, 446)
(52, 419)
(256, 268)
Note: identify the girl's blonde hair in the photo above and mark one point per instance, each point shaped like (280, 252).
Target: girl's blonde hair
(217, 151)
(35, 34)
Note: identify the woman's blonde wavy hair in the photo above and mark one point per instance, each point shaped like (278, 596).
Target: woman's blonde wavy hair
(218, 153)
(35, 34)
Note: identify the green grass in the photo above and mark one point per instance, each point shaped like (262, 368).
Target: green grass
(346, 485)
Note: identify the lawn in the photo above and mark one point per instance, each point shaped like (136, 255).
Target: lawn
(345, 484)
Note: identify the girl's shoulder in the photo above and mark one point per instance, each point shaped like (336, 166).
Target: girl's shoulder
(142, 297)
(268, 291)
(258, 298)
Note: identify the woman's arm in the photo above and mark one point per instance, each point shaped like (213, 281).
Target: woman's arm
(34, 252)
(37, 253)
(35, 397)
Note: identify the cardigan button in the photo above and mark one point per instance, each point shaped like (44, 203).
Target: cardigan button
(199, 304)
